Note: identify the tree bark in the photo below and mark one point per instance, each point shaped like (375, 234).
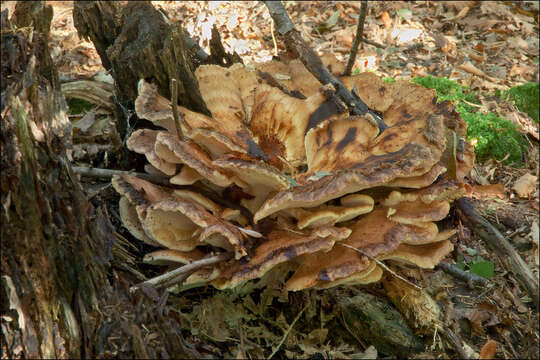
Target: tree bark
(61, 296)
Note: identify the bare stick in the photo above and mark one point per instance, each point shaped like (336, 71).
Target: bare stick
(383, 266)
(468, 277)
(376, 44)
(274, 38)
(174, 103)
(286, 333)
(357, 38)
(498, 243)
(297, 45)
(176, 274)
(108, 173)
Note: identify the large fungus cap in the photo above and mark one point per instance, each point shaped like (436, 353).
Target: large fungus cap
(401, 228)
(195, 160)
(279, 246)
(143, 142)
(357, 157)
(177, 220)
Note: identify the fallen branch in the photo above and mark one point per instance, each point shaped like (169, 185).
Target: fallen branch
(178, 274)
(297, 45)
(108, 173)
(376, 44)
(359, 36)
(500, 246)
(468, 277)
(380, 263)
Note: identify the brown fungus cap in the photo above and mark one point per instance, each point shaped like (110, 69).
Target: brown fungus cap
(372, 274)
(325, 215)
(256, 178)
(279, 246)
(143, 141)
(177, 219)
(151, 106)
(357, 157)
(192, 156)
(425, 256)
(130, 220)
(175, 224)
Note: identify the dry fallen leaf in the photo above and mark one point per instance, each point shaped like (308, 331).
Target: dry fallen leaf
(525, 185)
(470, 68)
(487, 191)
(387, 21)
(488, 350)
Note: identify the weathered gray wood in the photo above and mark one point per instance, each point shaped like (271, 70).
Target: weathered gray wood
(374, 320)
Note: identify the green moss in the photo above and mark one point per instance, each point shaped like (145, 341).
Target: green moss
(493, 136)
(526, 97)
(388, 80)
(78, 106)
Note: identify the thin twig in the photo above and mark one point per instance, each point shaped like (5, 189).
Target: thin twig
(376, 44)
(378, 262)
(468, 277)
(174, 104)
(357, 38)
(176, 274)
(273, 38)
(287, 333)
(108, 173)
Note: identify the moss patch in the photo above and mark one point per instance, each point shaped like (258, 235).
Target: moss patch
(526, 97)
(78, 106)
(491, 135)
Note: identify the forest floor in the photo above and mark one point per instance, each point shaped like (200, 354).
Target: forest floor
(484, 46)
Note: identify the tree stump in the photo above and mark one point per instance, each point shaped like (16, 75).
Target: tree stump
(61, 298)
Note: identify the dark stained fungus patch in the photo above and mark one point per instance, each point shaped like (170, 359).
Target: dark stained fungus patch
(347, 139)
(330, 135)
(323, 275)
(255, 151)
(405, 114)
(327, 109)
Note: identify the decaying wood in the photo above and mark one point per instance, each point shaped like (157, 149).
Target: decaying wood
(468, 277)
(377, 322)
(57, 248)
(297, 45)
(500, 245)
(358, 37)
(94, 92)
(218, 55)
(138, 42)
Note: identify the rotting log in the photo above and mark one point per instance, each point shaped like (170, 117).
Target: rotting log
(375, 321)
(57, 248)
(501, 247)
(94, 92)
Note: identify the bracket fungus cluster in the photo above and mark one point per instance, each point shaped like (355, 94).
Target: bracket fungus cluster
(281, 173)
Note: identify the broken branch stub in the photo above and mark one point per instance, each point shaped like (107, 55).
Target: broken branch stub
(305, 174)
